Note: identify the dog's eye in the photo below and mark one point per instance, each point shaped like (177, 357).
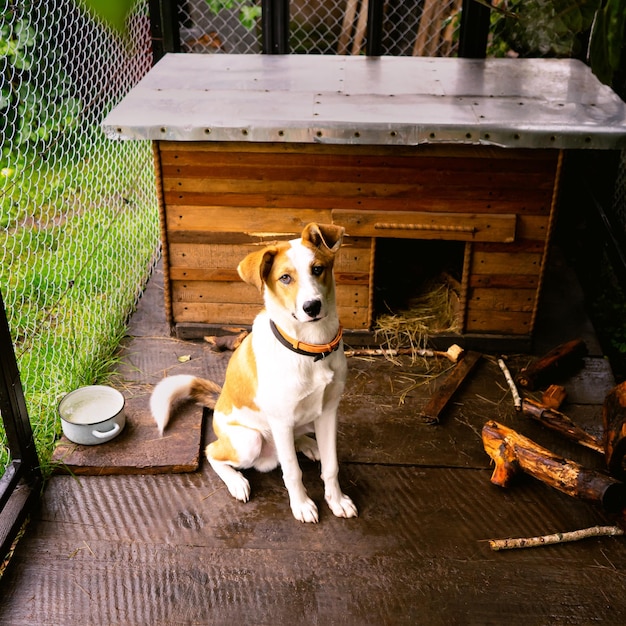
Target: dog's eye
(285, 279)
(317, 270)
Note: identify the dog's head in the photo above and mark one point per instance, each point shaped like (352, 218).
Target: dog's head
(296, 277)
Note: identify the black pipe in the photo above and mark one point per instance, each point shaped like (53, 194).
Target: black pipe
(164, 28)
(20, 484)
(17, 426)
(275, 26)
(374, 41)
(474, 31)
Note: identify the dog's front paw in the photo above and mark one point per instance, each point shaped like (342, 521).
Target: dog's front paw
(343, 506)
(305, 511)
(238, 486)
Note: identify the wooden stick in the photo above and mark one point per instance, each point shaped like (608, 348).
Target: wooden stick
(517, 401)
(546, 540)
(361, 27)
(559, 361)
(439, 400)
(346, 27)
(220, 343)
(426, 30)
(453, 353)
(554, 396)
(560, 423)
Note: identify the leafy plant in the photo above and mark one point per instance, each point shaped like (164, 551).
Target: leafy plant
(592, 29)
(607, 39)
(36, 111)
(543, 27)
(248, 13)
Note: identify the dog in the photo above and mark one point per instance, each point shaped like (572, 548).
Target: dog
(284, 381)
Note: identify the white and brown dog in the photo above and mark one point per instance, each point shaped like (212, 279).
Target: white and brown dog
(285, 380)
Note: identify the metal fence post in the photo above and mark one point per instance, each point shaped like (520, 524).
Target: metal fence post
(12, 404)
(474, 30)
(374, 43)
(164, 27)
(275, 26)
(19, 485)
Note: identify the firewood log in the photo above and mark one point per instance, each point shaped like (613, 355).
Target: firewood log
(512, 453)
(614, 420)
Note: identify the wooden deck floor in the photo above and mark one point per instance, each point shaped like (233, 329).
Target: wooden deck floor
(177, 549)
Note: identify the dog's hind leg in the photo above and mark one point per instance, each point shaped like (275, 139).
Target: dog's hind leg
(239, 447)
(308, 446)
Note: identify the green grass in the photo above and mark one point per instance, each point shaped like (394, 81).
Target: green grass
(78, 236)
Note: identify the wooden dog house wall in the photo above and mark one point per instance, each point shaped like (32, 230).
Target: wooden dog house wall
(499, 202)
(249, 149)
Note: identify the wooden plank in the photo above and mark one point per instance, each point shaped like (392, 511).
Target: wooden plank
(237, 313)
(231, 275)
(517, 202)
(353, 257)
(204, 274)
(440, 174)
(441, 397)
(505, 322)
(232, 238)
(506, 263)
(434, 174)
(415, 225)
(139, 449)
(507, 281)
(213, 256)
(214, 312)
(533, 227)
(251, 220)
(352, 278)
(516, 247)
(177, 189)
(358, 246)
(351, 295)
(215, 291)
(353, 317)
(494, 299)
(535, 158)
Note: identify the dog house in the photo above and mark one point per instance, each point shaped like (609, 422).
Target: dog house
(407, 154)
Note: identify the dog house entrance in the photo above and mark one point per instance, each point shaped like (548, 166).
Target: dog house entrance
(418, 290)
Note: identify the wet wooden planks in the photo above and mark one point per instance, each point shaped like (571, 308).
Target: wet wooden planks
(146, 550)
(177, 549)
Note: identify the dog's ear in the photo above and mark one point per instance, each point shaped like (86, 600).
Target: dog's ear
(327, 236)
(255, 268)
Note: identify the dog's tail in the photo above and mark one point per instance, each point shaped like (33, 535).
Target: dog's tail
(174, 389)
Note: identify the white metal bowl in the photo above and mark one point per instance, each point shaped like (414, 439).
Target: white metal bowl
(92, 415)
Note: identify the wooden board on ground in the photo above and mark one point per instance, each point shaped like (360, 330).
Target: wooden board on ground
(139, 449)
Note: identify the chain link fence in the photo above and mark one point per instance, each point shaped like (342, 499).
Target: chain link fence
(78, 214)
(410, 27)
(78, 218)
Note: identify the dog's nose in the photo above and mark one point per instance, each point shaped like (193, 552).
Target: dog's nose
(312, 307)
